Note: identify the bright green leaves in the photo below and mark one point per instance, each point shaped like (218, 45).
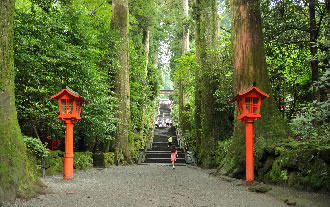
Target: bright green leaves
(185, 72)
(69, 44)
(290, 62)
(36, 146)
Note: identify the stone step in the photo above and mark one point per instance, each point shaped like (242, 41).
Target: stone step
(162, 145)
(164, 160)
(162, 138)
(160, 148)
(165, 151)
(163, 155)
(164, 164)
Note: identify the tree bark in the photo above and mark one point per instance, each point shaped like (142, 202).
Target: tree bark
(122, 89)
(250, 66)
(185, 39)
(146, 54)
(185, 47)
(197, 112)
(17, 176)
(313, 46)
(210, 119)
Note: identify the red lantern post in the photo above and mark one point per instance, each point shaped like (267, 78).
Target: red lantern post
(248, 106)
(70, 104)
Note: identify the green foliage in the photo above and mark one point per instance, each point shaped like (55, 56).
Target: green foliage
(55, 162)
(313, 120)
(109, 159)
(144, 12)
(143, 93)
(82, 160)
(221, 78)
(184, 73)
(68, 44)
(222, 149)
(289, 76)
(137, 64)
(175, 114)
(287, 33)
(190, 140)
(277, 174)
(300, 164)
(36, 146)
(223, 56)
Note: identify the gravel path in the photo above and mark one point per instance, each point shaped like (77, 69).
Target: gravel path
(146, 185)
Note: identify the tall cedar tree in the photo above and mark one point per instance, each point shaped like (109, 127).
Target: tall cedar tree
(146, 42)
(197, 111)
(122, 89)
(250, 66)
(210, 119)
(185, 48)
(17, 177)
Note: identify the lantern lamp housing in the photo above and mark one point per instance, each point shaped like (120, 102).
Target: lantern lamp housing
(249, 102)
(70, 104)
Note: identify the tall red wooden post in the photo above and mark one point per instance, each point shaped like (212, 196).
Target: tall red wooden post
(68, 156)
(70, 104)
(248, 106)
(249, 151)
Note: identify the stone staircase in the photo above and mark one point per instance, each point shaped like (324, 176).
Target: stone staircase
(160, 152)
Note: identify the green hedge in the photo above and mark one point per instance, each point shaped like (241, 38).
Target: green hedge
(55, 161)
(82, 160)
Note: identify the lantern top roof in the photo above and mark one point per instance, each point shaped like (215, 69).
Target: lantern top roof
(248, 90)
(67, 90)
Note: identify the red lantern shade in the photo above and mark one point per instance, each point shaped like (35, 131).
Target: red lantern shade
(249, 102)
(69, 104)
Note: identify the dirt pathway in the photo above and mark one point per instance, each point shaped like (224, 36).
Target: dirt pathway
(146, 185)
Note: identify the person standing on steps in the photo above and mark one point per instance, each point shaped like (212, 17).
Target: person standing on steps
(174, 154)
(170, 140)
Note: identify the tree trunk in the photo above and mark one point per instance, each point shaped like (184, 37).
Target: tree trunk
(16, 172)
(197, 112)
(146, 54)
(185, 47)
(250, 66)
(155, 60)
(210, 119)
(313, 45)
(185, 39)
(122, 89)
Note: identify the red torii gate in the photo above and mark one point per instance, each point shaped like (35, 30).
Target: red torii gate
(165, 92)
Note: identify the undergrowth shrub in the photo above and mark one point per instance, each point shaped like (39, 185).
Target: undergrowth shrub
(36, 146)
(109, 159)
(221, 151)
(36, 152)
(313, 121)
(82, 160)
(55, 162)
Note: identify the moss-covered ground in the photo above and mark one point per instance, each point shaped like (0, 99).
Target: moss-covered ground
(299, 164)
